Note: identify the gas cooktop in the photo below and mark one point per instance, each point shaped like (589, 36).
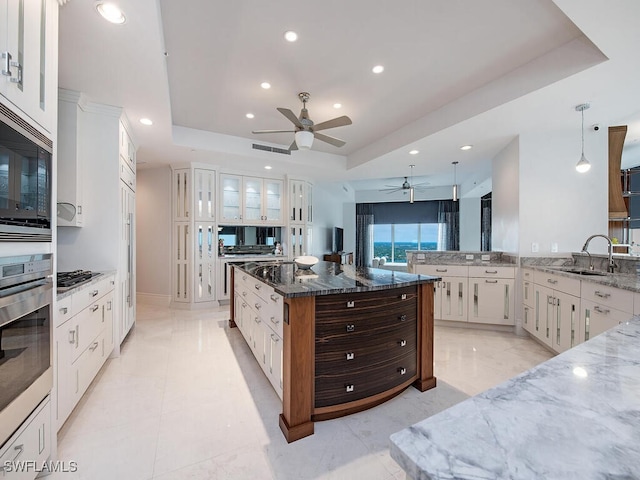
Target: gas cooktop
(68, 280)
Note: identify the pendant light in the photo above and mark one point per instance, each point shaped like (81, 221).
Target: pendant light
(455, 184)
(583, 165)
(411, 190)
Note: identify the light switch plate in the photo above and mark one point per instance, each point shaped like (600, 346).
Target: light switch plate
(469, 256)
(535, 247)
(554, 247)
(420, 256)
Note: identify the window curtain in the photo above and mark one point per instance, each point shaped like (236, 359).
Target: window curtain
(449, 217)
(364, 235)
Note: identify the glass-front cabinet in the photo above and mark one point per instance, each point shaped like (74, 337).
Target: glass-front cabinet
(230, 198)
(253, 205)
(273, 201)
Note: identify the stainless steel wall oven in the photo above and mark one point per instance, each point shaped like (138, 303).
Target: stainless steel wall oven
(25, 180)
(26, 376)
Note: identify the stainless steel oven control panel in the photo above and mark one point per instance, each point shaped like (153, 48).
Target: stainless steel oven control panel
(24, 268)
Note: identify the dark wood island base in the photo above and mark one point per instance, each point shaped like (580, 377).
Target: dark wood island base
(347, 352)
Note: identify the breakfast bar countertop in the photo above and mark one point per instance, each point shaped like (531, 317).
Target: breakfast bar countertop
(326, 278)
(575, 416)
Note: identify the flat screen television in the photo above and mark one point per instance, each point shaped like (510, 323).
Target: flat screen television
(338, 240)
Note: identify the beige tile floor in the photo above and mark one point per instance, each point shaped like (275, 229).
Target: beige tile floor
(186, 400)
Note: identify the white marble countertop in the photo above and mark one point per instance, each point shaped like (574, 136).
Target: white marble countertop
(575, 416)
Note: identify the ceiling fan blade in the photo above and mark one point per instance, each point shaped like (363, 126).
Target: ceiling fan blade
(390, 190)
(293, 146)
(273, 131)
(291, 116)
(336, 142)
(335, 122)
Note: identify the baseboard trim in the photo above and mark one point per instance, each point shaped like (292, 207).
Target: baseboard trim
(153, 299)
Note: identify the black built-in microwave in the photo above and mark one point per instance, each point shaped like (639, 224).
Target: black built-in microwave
(25, 180)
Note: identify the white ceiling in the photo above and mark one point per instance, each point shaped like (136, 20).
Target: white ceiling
(456, 72)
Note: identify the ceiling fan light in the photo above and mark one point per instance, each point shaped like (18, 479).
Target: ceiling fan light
(455, 193)
(583, 165)
(304, 139)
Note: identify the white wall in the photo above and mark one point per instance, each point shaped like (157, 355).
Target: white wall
(327, 214)
(153, 230)
(559, 205)
(469, 224)
(505, 200)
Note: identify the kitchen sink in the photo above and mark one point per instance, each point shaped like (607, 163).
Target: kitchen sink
(586, 272)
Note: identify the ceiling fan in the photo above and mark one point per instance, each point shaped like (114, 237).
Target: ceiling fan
(406, 187)
(305, 130)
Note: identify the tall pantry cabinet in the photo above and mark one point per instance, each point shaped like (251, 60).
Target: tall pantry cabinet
(103, 159)
(194, 239)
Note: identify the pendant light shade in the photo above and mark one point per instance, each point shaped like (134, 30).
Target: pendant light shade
(455, 184)
(411, 195)
(583, 165)
(304, 139)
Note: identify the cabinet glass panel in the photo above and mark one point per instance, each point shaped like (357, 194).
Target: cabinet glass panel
(274, 200)
(252, 199)
(231, 198)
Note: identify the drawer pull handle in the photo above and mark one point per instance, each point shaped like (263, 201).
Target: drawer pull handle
(257, 320)
(93, 346)
(350, 388)
(604, 311)
(351, 356)
(402, 318)
(72, 336)
(64, 310)
(351, 304)
(257, 286)
(19, 449)
(491, 281)
(552, 282)
(600, 294)
(244, 294)
(274, 321)
(244, 305)
(94, 308)
(493, 272)
(403, 296)
(351, 327)
(275, 338)
(94, 293)
(403, 343)
(441, 270)
(402, 370)
(258, 306)
(273, 297)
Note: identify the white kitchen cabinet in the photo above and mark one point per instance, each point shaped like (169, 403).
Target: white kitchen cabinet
(194, 238)
(602, 308)
(301, 240)
(450, 293)
(84, 339)
(70, 156)
(300, 202)
(32, 442)
(126, 148)
(231, 199)
(262, 201)
(528, 300)
(491, 296)
(29, 49)
(107, 240)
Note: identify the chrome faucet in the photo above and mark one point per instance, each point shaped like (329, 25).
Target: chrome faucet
(610, 250)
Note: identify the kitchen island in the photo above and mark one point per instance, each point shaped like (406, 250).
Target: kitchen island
(575, 416)
(352, 338)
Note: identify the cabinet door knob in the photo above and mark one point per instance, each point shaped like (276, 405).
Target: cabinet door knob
(402, 318)
(258, 306)
(350, 356)
(274, 321)
(402, 370)
(403, 343)
(349, 388)
(351, 327)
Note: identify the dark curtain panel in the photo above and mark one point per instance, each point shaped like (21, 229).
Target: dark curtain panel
(485, 223)
(364, 237)
(449, 215)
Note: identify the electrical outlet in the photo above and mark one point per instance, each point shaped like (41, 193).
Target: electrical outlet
(535, 248)
(554, 247)
(469, 256)
(486, 257)
(420, 256)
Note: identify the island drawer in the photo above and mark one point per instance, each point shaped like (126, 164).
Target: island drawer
(363, 325)
(366, 303)
(341, 387)
(349, 354)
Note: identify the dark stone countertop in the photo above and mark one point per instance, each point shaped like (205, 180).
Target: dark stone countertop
(327, 278)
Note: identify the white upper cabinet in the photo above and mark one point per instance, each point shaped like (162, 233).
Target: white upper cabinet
(126, 148)
(262, 200)
(230, 198)
(300, 202)
(181, 194)
(28, 49)
(204, 182)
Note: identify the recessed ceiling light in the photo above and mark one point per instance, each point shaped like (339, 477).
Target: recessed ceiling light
(146, 121)
(378, 69)
(265, 85)
(110, 12)
(337, 105)
(466, 147)
(290, 36)
(414, 152)
(250, 115)
(268, 167)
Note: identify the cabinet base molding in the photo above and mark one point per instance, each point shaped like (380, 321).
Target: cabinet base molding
(153, 299)
(193, 306)
(478, 326)
(296, 432)
(425, 384)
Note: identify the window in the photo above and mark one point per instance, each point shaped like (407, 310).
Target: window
(393, 240)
